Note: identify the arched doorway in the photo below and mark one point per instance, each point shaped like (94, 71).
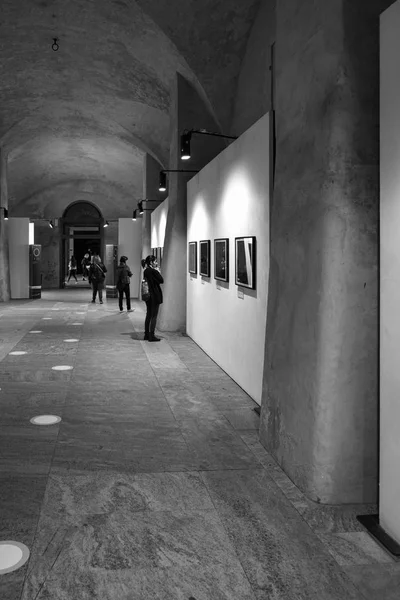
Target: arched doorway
(82, 231)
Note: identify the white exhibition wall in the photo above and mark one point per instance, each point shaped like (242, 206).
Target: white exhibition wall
(230, 198)
(389, 494)
(130, 245)
(158, 225)
(18, 248)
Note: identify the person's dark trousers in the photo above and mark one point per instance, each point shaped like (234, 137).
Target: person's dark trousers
(151, 319)
(95, 289)
(127, 291)
(73, 273)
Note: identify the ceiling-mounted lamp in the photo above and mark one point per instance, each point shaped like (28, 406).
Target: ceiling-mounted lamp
(51, 224)
(55, 45)
(140, 205)
(106, 224)
(5, 212)
(162, 185)
(186, 137)
(134, 215)
(185, 145)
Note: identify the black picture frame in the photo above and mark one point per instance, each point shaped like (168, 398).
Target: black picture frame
(221, 259)
(205, 256)
(245, 262)
(192, 258)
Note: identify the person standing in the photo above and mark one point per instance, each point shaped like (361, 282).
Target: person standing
(123, 280)
(97, 275)
(85, 264)
(154, 278)
(72, 269)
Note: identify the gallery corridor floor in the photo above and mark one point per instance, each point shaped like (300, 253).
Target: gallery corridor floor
(153, 485)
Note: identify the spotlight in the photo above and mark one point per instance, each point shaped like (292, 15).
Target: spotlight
(55, 45)
(134, 215)
(162, 186)
(51, 224)
(6, 214)
(105, 224)
(185, 145)
(140, 205)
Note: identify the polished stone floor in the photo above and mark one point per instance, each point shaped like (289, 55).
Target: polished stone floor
(154, 484)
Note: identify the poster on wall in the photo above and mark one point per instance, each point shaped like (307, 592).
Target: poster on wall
(245, 262)
(221, 259)
(205, 246)
(193, 257)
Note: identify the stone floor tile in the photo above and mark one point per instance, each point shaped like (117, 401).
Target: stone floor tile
(376, 582)
(355, 548)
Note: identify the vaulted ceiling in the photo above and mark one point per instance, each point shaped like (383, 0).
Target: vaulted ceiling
(77, 121)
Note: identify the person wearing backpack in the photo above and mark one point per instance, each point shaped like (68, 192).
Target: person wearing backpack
(123, 279)
(153, 278)
(97, 275)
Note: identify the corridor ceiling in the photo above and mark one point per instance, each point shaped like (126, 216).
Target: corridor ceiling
(83, 116)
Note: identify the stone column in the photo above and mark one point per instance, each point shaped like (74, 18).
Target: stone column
(4, 257)
(188, 111)
(319, 405)
(151, 170)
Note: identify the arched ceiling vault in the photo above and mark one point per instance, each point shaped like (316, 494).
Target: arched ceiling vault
(90, 110)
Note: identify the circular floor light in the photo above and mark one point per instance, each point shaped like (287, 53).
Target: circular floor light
(12, 556)
(62, 368)
(76, 323)
(45, 420)
(47, 318)
(71, 340)
(18, 353)
(35, 331)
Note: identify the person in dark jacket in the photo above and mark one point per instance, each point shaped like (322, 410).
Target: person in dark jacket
(153, 278)
(72, 268)
(123, 279)
(97, 275)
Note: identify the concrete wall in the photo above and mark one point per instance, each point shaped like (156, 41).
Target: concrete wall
(130, 245)
(158, 224)
(319, 406)
(390, 274)
(253, 94)
(18, 232)
(229, 198)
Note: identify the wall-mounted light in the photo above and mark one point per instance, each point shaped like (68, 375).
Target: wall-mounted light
(5, 212)
(162, 185)
(186, 137)
(51, 224)
(106, 224)
(134, 215)
(55, 45)
(185, 145)
(140, 205)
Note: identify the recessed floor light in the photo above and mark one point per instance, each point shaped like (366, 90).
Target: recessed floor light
(71, 340)
(62, 368)
(76, 323)
(47, 318)
(80, 313)
(35, 331)
(45, 420)
(18, 352)
(12, 556)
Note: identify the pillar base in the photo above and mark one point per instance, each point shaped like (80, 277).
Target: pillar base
(371, 524)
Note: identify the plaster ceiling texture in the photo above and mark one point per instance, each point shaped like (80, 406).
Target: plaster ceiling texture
(80, 119)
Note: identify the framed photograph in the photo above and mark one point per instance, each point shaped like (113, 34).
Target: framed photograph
(193, 257)
(245, 262)
(221, 259)
(205, 249)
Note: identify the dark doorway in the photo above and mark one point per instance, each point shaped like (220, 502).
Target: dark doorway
(84, 246)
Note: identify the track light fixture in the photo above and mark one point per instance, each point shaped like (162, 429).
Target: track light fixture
(5, 212)
(106, 224)
(55, 45)
(134, 215)
(187, 135)
(51, 225)
(162, 185)
(140, 205)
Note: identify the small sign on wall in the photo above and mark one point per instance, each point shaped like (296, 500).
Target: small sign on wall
(240, 293)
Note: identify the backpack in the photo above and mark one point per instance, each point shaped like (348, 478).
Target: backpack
(145, 292)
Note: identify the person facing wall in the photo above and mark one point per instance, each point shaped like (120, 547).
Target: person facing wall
(154, 278)
(123, 280)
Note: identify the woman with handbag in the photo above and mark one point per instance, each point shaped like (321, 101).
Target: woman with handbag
(97, 275)
(153, 278)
